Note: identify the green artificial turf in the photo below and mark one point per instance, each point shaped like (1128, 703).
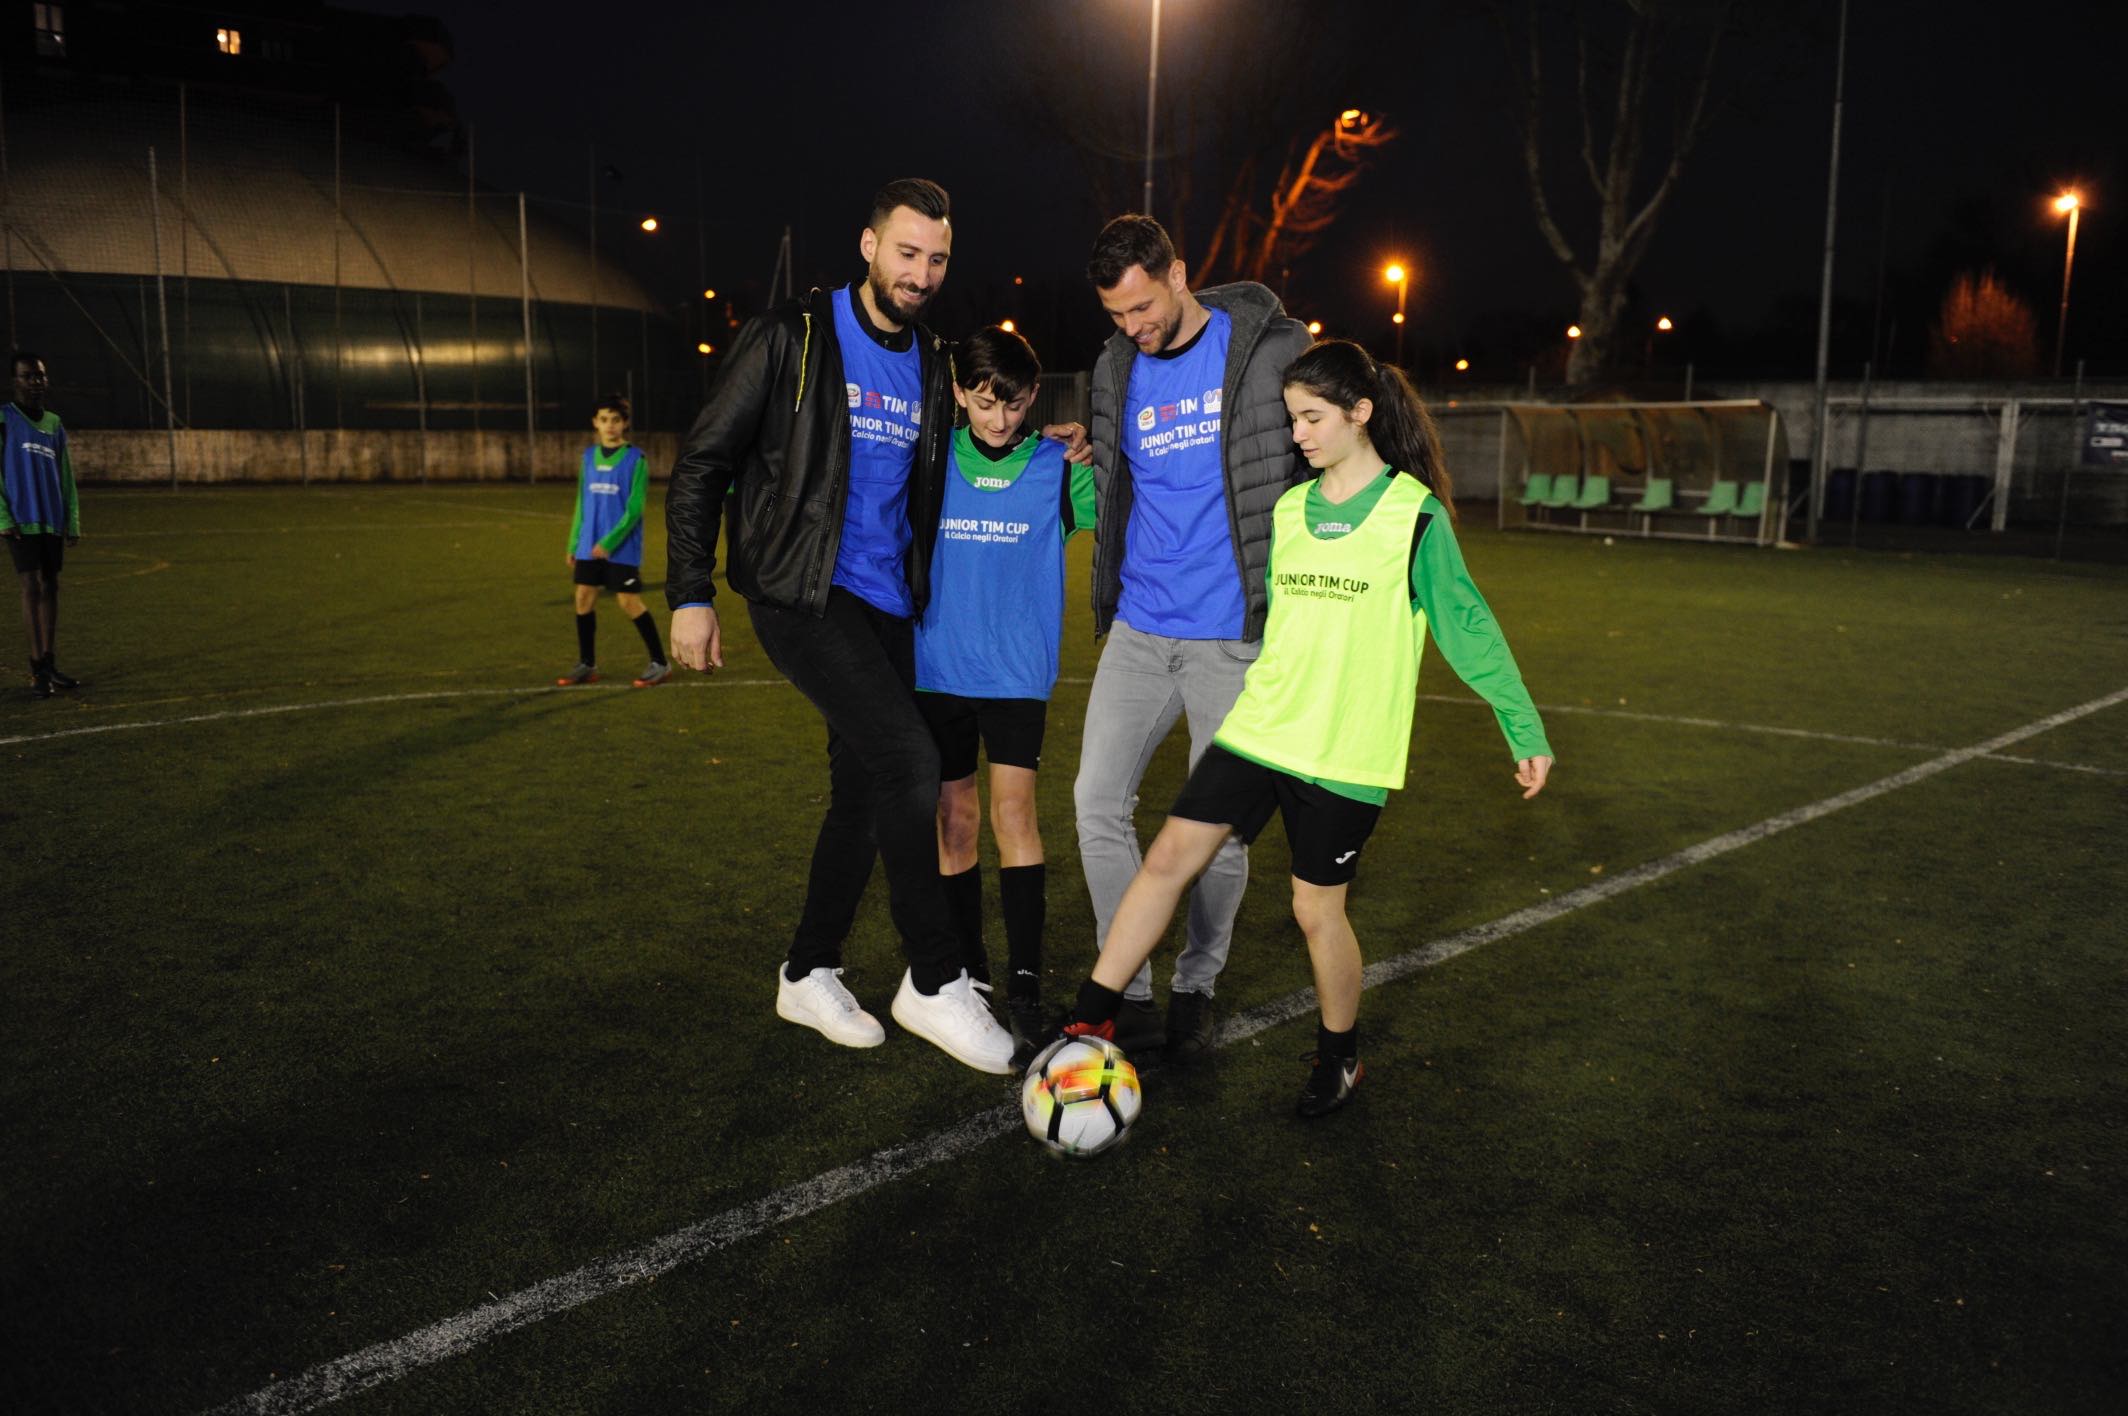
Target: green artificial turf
(322, 1026)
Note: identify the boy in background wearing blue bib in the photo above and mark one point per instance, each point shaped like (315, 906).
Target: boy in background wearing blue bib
(606, 543)
(40, 515)
(986, 651)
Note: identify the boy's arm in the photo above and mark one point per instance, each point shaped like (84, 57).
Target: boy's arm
(1469, 637)
(633, 516)
(1079, 498)
(694, 498)
(66, 488)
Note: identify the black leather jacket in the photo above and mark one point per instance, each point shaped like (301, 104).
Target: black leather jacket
(775, 438)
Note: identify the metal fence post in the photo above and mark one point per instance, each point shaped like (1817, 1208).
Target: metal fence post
(162, 311)
(524, 300)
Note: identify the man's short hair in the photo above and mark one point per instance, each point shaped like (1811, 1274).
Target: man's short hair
(23, 356)
(617, 403)
(996, 356)
(1125, 242)
(918, 194)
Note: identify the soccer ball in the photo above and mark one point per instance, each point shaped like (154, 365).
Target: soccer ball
(1080, 1096)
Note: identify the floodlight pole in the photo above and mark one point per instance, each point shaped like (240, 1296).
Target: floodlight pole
(1819, 438)
(2061, 325)
(1152, 88)
(524, 300)
(162, 311)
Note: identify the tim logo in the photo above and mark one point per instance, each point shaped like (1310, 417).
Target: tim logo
(1147, 419)
(855, 394)
(1211, 399)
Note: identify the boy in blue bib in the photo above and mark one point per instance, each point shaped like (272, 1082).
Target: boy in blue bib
(40, 516)
(986, 650)
(606, 543)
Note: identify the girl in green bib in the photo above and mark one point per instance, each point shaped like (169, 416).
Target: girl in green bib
(1363, 564)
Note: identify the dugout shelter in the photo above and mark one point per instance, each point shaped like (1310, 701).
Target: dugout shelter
(1704, 471)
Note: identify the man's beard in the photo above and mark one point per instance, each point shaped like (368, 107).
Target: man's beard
(1168, 332)
(901, 309)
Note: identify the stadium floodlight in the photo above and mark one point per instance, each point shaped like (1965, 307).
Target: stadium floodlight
(1573, 331)
(2069, 204)
(704, 348)
(1399, 275)
(1664, 324)
(1008, 326)
(1315, 327)
(649, 223)
(1462, 366)
(709, 294)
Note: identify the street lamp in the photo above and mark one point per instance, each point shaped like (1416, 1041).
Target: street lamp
(1315, 328)
(1397, 275)
(2071, 205)
(1152, 87)
(648, 223)
(1573, 331)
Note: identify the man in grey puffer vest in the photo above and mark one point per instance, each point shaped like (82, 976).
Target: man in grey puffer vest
(1192, 448)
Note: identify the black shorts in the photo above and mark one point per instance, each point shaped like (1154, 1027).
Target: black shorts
(39, 555)
(619, 578)
(1324, 830)
(1010, 728)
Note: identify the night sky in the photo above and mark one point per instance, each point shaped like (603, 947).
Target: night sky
(1961, 121)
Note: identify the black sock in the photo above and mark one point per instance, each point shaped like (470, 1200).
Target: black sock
(1022, 890)
(1337, 1046)
(648, 628)
(1096, 1004)
(964, 897)
(587, 637)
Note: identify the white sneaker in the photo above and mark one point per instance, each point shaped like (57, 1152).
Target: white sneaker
(955, 1020)
(820, 1002)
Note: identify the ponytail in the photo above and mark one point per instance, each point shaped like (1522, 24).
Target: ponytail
(1340, 372)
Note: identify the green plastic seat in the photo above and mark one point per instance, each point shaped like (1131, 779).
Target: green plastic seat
(1753, 500)
(1537, 488)
(1595, 492)
(1564, 489)
(1658, 495)
(1721, 500)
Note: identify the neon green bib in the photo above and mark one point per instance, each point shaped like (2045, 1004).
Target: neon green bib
(1332, 693)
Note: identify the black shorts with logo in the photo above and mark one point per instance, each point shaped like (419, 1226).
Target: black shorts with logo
(1010, 729)
(615, 576)
(39, 555)
(1324, 830)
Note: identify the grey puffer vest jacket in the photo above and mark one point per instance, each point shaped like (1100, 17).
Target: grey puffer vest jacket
(1255, 444)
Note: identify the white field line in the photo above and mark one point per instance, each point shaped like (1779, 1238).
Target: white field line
(389, 1361)
(231, 714)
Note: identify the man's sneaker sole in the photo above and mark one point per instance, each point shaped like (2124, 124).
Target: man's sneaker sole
(863, 1030)
(655, 677)
(571, 680)
(908, 1011)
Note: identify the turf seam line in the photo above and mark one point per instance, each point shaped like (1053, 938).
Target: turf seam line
(390, 1360)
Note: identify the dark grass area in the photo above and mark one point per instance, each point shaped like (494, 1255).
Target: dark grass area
(322, 1026)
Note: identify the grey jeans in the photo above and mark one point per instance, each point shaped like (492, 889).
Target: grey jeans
(1144, 682)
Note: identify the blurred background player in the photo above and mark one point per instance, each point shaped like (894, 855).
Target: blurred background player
(1363, 562)
(40, 516)
(986, 651)
(606, 543)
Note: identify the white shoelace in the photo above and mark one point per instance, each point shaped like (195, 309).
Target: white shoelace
(835, 990)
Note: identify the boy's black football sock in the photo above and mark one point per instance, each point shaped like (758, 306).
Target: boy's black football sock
(587, 637)
(648, 628)
(1021, 891)
(964, 897)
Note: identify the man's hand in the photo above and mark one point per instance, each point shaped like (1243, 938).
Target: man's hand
(697, 641)
(570, 559)
(601, 553)
(1073, 436)
(1531, 772)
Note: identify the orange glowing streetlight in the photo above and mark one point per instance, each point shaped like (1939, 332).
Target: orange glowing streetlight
(1315, 328)
(709, 294)
(1008, 326)
(704, 348)
(2069, 204)
(648, 223)
(1573, 331)
(1664, 324)
(1398, 275)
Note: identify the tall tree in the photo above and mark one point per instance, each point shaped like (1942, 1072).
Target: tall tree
(1627, 59)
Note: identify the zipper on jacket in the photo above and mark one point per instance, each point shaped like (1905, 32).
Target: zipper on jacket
(804, 352)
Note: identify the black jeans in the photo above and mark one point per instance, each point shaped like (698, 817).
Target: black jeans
(857, 665)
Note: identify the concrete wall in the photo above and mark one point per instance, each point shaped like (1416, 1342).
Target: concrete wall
(208, 455)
